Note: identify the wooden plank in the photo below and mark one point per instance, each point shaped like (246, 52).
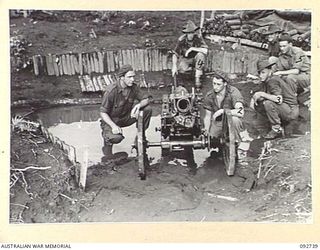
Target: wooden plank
(91, 58)
(136, 59)
(68, 64)
(232, 58)
(133, 61)
(95, 84)
(146, 60)
(120, 59)
(55, 65)
(50, 65)
(165, 61)
(80, 63)
(156, 60)
(75, 63)
(106, 63)
(100, 57)
(88, 64)
(96, 62)
(60, 65)
(35, 65)
(114, 61)
(72, 69)
(141, 59)
(64, 64)
(82, 85)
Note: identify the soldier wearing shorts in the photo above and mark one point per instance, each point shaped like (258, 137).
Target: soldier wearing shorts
(190, 52)
(120, 107)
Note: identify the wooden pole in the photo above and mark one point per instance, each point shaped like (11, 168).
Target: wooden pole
(202, 19)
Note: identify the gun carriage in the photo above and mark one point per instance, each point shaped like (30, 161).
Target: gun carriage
(181, 126)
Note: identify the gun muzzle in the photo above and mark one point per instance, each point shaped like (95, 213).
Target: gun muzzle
(183, 105)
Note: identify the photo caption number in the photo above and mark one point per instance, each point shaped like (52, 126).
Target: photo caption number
(306, 246)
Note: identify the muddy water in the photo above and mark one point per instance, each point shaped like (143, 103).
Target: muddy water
(79, 126)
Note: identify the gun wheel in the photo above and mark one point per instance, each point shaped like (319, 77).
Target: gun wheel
(141, 148)
(228, 143)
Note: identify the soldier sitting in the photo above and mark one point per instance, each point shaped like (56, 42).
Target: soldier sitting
(118, 108)
(223, 96)
(276, 99)
(293, 65)
(190, 52)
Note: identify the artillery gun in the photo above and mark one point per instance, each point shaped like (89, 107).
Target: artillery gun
(182, 126)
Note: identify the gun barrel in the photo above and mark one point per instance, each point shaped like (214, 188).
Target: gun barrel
(184, 105)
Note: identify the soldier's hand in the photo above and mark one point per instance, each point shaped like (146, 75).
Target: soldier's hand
(252, 102)
(174, 70)
(135, 111)
(116, 130)
(188, 51)
(217, 114)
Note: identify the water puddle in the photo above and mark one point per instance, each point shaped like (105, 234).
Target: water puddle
(79, 126)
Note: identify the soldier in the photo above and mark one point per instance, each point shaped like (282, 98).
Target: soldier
(118, 108)
(293, 65)
(190, 51)
(223, 96)
(273, 40)
(276, 98)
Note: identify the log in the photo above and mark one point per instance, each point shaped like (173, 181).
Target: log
(231, 16)
(233, 22)
(235, 27)
(292, 32)
(305, 35)
(35, 65)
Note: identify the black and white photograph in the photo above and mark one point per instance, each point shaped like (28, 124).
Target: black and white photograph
(160, 116)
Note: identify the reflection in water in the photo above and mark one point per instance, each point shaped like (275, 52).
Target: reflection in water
(79, 126)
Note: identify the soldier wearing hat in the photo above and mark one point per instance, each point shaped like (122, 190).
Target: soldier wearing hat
(276, 99)
(120, 107)
(190, 53)
(223, 96)
(272, 35)
(293, 65)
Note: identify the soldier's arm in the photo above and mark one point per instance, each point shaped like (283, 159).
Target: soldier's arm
(274, 98)
(202, 50)
(287, 72)
(207, 120)
(107, 119)
(238, 110)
